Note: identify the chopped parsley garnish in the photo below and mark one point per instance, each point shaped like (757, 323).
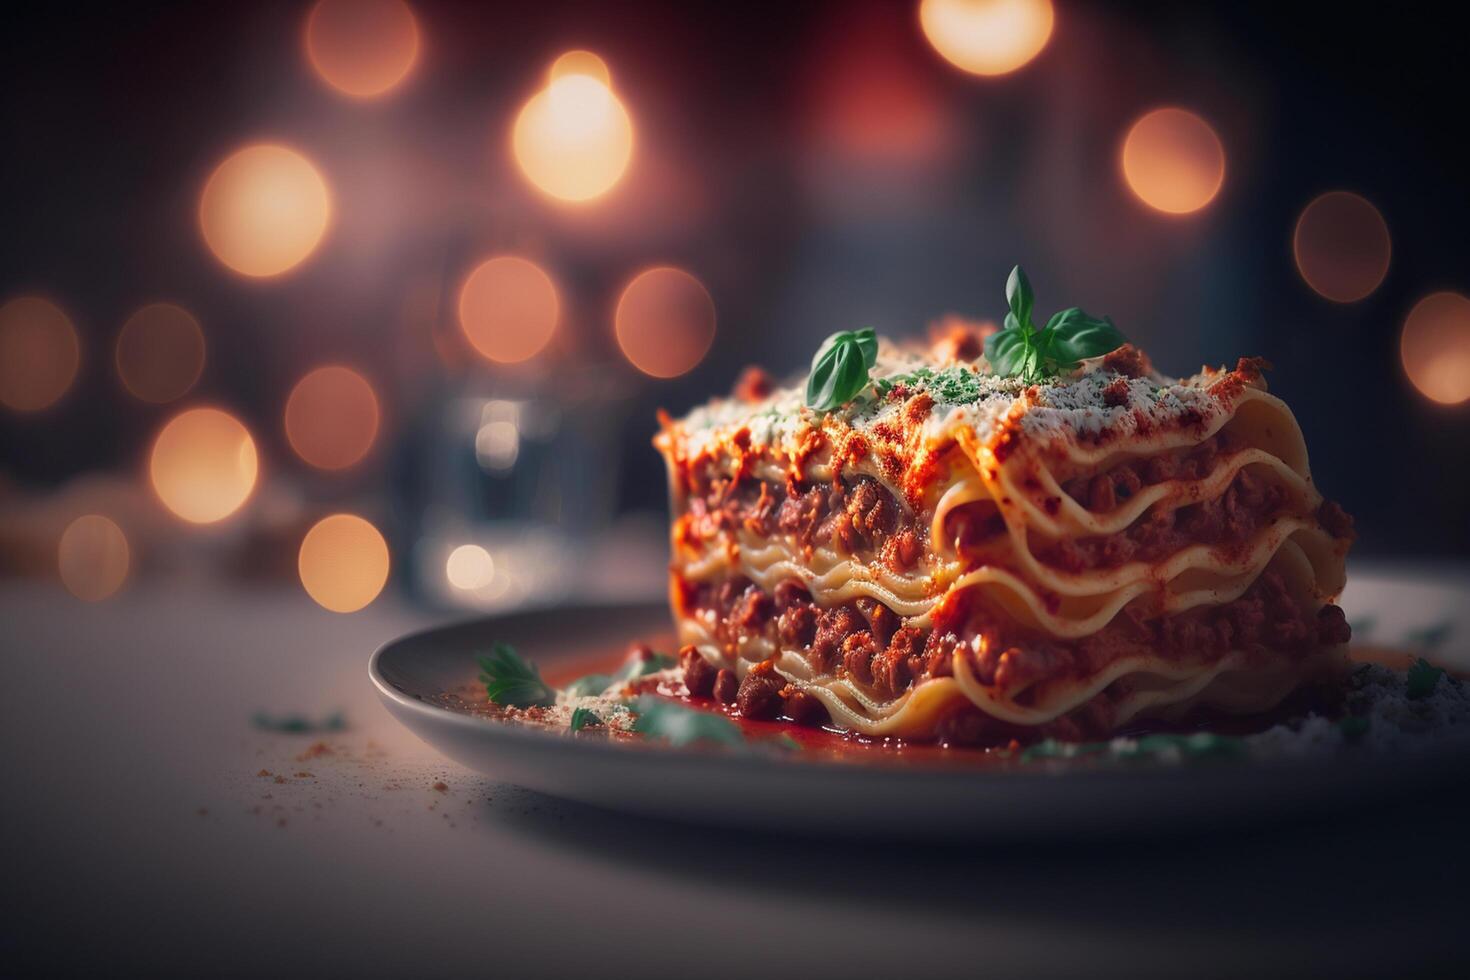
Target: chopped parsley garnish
(634, 667)
(678, 725)
(1421, 679)
(639, 666)
(840, 369)
(511, 681)
(1197, 745)
(953, 385)
(1052, 749)
(582, 717)
(586, 687)
(1022, 351)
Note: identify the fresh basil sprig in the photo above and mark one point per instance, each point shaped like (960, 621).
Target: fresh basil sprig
(511, 681)
(1020, 350)
(840, 369)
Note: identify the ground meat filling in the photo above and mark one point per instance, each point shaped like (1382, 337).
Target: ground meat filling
(973, 526)
(866, 642)
(1230, 521)
(1267, 620)
(856, 517)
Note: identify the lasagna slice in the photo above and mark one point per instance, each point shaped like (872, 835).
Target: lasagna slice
(959, 556)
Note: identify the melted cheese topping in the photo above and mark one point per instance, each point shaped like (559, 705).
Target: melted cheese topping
(918, 404)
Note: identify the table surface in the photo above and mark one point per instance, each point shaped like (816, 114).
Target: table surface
(139, 831)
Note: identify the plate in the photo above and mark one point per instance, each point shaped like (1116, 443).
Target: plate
(1393, 607)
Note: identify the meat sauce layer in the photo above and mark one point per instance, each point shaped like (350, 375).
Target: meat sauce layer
(860, 516)
(857, 516)
(866, 642)
(1227, 522)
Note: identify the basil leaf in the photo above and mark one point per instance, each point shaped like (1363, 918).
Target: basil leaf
(678, 725)
(865, 338)
(511, 681)
(1019, 296)
(1031, 371)
(1006, 351)
(1077, 336)
(583, 717)
(867, 342)
(840, 369)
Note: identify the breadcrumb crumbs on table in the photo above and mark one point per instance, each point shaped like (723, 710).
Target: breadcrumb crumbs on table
(441, 787)
(264, 773)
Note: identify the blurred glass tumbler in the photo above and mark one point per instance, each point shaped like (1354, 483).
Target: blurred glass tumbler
(508, 492)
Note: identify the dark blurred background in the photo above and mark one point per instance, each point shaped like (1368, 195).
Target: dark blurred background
(794, 169)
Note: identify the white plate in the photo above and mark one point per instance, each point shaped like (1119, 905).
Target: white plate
(824, 798)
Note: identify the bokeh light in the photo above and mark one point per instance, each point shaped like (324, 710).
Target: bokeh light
(343, 563)
(508, 308)
(203, 465)
(581, 63)
(264, 210)
(469, 568)
(497, 445)
(665, 322)
(1435, 347)
(1173, 161)
(362, 48)
(160, 353)
(39, 353)
(1342, 246)
(987, 37)
(573, 139)
(332, 417)
(92, 557)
